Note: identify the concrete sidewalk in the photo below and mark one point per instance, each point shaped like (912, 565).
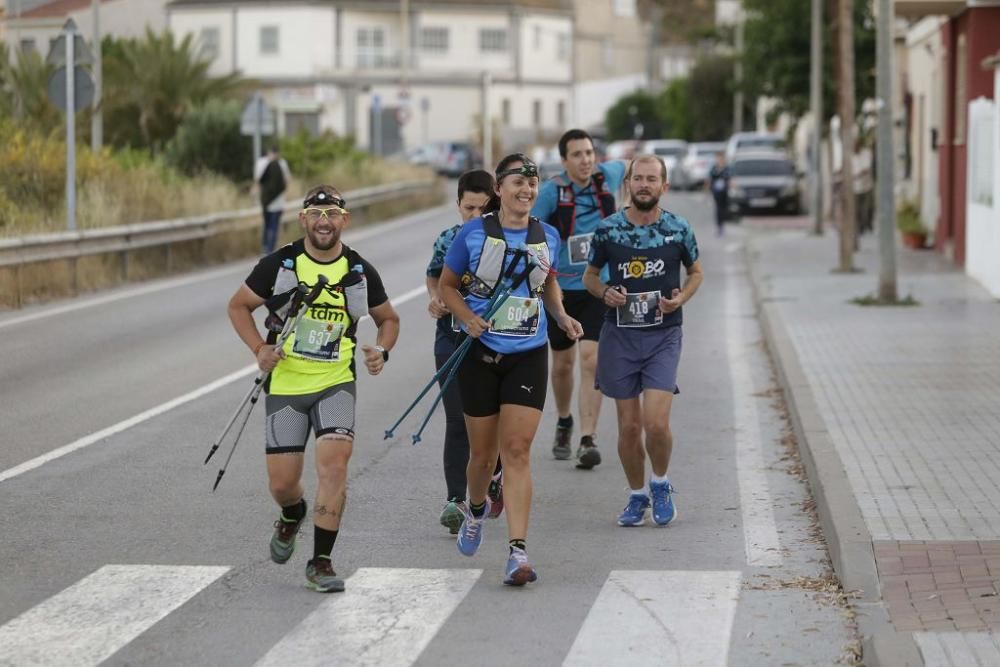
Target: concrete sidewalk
(897, 410)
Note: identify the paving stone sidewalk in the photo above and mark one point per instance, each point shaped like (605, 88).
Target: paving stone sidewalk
(908, 399)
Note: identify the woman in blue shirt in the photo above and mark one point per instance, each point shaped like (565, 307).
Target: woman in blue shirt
(504, 377)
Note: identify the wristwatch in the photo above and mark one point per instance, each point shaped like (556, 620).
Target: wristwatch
(385, 352)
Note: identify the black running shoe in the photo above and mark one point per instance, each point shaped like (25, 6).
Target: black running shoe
(587, 455)
(561, 448)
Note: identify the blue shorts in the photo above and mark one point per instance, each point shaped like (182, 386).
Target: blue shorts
(632, 360)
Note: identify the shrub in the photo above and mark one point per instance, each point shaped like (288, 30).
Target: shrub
(309, 156)
(209, 139)
(908, 219)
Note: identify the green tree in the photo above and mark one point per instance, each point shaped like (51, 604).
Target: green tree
(25, 91)
(776, 57)
(674, 103)
(209, 139)
(711, 95)
(151, 83)
(632, 109)
(685, 21)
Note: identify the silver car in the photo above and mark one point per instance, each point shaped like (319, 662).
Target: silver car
(763, 181)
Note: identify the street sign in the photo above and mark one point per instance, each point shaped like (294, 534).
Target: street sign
(83, 88)
(249, 117)
(57, 51)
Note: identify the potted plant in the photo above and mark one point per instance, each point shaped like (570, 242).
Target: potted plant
(911, 226)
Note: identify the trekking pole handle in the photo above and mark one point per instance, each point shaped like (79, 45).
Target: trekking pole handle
(321, 282)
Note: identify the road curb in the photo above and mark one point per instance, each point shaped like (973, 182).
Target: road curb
(847, 536)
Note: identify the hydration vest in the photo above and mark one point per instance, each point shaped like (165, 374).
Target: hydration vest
(564, 218)
(482, 280)
(347, 279)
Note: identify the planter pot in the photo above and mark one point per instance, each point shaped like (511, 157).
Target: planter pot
(915, 240)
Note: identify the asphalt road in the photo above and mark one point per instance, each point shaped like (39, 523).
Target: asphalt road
(115, 549)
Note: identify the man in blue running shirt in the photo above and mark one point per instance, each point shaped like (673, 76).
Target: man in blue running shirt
(574, 203)
(643, 247)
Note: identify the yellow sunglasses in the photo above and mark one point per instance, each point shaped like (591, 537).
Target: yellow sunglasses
(316, 214)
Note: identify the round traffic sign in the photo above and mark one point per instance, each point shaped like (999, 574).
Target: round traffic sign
(83, 88)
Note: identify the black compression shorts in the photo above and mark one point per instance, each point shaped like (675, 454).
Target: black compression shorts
(488, 381)
(585, 309)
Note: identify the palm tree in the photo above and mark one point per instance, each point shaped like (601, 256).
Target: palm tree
(25, 87)
(151, 83)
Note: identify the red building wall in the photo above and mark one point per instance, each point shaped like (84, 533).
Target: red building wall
(981, 28)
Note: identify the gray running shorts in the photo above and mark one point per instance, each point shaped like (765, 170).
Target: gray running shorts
(630, 360)
(289, 418)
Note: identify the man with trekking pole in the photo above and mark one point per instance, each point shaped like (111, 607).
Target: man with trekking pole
(312, 378)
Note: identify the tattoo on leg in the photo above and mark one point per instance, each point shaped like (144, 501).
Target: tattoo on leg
(322, 510)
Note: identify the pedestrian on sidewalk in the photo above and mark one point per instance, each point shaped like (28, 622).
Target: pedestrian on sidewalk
(271, 176)
(476, 189)
(718, 181)
(640, 347)
(312, 381)
(504, 375)
(574, 202)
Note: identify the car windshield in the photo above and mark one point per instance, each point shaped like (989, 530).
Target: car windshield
(751, 143)
(669, 151)
(763, 168)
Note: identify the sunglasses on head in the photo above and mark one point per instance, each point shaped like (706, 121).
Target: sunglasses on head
(527, 170)
(324, 199)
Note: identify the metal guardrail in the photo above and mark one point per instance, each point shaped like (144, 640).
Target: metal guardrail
(44, 266)
(123, 238)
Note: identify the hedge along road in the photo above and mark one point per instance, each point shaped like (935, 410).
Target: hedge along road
(74, 368)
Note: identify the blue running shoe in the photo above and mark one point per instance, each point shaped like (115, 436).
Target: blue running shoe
(470, 535)
(634, 513)
(663, 505)
(519, 571)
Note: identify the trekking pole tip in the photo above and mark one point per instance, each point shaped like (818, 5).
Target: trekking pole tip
(217, 480)
(415, 438)
(388, 434)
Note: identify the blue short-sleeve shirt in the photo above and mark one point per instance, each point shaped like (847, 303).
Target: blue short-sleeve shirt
(444, 335)
(588, 215)
(463, 255)
(644, 258)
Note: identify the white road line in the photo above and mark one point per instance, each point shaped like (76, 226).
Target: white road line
(760, 532)
(386, 617)
(240, 267)
(88, 622)
(659, 618)
(88, 440)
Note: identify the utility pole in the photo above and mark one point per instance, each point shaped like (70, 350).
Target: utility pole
(845, 44)
(97, 119)
(886, 197)
(69, 32)
(487, 125)
(738, 73)
(816, 108)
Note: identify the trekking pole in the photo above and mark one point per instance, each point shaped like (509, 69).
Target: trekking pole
(460, 354)
(254, 394)
(456, 356)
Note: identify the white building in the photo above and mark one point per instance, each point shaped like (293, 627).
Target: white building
(328, 65)
(30, 25)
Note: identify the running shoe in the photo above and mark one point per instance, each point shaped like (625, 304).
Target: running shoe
(663, 505)
(587, 455)
(452, 515)
(634, 513)
(519, 571)
(283, 539)
(495, 492)
(321, 577)
(470, 535)
(562, 447)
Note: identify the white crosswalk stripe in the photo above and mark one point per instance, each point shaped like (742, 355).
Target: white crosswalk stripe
(659, 618)
(387, 617)
(89, 621)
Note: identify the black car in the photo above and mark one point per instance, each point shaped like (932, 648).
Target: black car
(763, 181)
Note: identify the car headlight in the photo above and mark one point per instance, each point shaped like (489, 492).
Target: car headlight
(789, 190)
(736, 192)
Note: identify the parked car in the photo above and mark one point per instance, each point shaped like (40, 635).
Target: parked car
(621, 150)
(753, 141)
(763, 181)
(698, 161)
(671, 151)
(448, 158)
